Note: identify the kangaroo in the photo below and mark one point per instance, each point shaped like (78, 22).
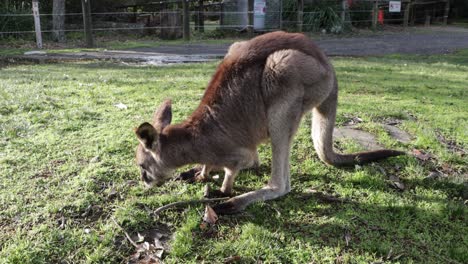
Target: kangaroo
(260, 91)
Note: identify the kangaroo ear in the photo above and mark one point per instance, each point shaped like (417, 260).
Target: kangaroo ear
(163, 115)
(147, 135)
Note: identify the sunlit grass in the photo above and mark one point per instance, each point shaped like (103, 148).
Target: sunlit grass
(64, 147)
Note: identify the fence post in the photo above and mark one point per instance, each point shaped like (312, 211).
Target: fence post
(186, 20)
(250, 26)
(428, 18)
(201, 16)
(281, 15)
(407, 13)
(344, 6)
(221, 15)
(88, 28)
(37, 23)
(58, 20)
(300, 14)
(446, 11)
(375, 14)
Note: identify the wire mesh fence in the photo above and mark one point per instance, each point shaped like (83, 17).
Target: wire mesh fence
(333, 16)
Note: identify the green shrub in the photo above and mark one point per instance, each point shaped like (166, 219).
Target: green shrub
(323, 18)
(360, 13)
(14, 19)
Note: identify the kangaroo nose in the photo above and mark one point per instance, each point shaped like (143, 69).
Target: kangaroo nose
(144, 177)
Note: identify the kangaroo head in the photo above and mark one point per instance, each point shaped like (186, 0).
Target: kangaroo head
(153, 167)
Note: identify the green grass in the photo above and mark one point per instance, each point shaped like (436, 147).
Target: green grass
(65, 147)
(11, 47)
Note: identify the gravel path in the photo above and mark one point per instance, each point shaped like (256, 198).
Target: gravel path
(434, 40)
(438, 41)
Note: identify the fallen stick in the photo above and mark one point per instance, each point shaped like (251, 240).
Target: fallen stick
(202, 201)
(126, 234)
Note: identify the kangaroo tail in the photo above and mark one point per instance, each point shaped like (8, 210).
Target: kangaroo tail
(323, 123)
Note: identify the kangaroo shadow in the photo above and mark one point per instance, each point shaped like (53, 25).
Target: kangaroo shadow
(401, 226)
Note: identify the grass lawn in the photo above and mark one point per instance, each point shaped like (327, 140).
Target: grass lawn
(67, 169)
(19, 47)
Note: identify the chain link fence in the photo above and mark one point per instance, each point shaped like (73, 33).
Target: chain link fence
(212, 18)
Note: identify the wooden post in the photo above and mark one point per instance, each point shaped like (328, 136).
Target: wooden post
(186, 20)
(250, 26)
(37, 23)
(134, 17)
(446, 12)
(88, 28)
(300, 15)
(407, 14)
(344, 7)
(201, 16)
(221, 15)
(281, 15)
(412, 16)
(428, 18)
(375, 14)
(58, 20)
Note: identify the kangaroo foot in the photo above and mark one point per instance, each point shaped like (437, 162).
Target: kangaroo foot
(190, 176)
(218, 194)
(231, 206)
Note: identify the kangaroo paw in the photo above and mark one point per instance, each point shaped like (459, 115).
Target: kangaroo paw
(218, 194)
(200, 177)
(187, 176)
(229, 207)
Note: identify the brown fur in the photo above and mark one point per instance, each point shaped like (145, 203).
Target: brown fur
(260, 91)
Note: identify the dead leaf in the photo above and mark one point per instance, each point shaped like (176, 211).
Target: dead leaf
(353, 121)
(112, 193)
(62, 222)
(158, 244)
(135, 257)
(206, 191)
(347, 237)
(121, 106)
(203, 226)
(400, 185)
(92, 210)
(131, 183)
(397, 183)
(159, 253)
(389, 255)
(148, 259)
(140, 238)
(421, 155)
(232, 259)
(87, 211)
(146, 246)
(95, 159)
(434, 175)
(210, 216)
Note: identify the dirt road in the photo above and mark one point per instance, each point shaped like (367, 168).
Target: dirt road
(433, 40)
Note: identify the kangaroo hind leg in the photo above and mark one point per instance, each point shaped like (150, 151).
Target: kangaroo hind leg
(283, 121)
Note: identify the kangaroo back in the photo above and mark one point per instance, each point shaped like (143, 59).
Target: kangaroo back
(258, 49)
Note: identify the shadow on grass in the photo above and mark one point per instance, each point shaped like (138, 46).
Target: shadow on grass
(402, 226)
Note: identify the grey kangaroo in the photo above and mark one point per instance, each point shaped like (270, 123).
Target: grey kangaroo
(260, 91)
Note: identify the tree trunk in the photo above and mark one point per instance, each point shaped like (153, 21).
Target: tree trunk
(58, 20)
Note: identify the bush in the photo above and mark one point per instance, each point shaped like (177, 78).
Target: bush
(15, 19)
(360, 13)
(323, 19)
(317, 16)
